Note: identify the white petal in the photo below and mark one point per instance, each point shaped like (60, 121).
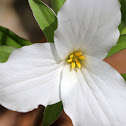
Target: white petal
(74, 98)
(94, 100)
(90, 25)
(30, 77)
(110, 83)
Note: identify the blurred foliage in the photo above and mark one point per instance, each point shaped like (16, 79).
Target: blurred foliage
(122, 26)
(123, 10)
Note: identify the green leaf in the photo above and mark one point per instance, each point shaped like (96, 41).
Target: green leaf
(123, 10)
(5, 52)
(9, 42)
(123, 30)
(45, 17)
(120, 46)
(122, 26)
(122, 39)
(7, 49)
(57, 4)
(51, 113)
(124, 76)
(8, 38)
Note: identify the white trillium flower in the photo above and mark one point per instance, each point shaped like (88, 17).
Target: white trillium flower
(71, 69)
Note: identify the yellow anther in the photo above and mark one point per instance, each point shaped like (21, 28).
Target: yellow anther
(78, 64)
(73, 64)
(69, 60)
(81, 57)
(78, 53)
(74, 60)
(71, 56)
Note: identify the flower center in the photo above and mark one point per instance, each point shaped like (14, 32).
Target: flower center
(75, 59)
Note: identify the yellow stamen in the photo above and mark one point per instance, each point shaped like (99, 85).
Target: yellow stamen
(81, 57)
(69, 60)
(76, 59)
(73, 64)
(78, 53)
(71, 56)
(78, 64)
